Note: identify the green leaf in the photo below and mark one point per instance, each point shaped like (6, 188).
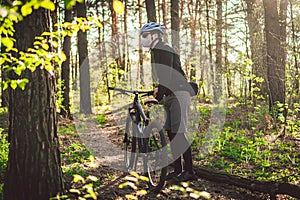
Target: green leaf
(132, 173)
(144, 178)
(62, 56)
(205, 195)
(45, 46)
(78, 178)
(49, 67)
(118, 6)
(74, 191)
(98, 24)
(92, 193)
(8, 42)
(130, 178)
(26, 9)
(17, 3)
(13, 84)
(48, 5)
(69, 3)
(18, 70)
(4, 85)
(141, 192)
(129, 196)
(22, 83)
(92, 178)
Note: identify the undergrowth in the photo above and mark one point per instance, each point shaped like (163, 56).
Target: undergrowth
(253, 144)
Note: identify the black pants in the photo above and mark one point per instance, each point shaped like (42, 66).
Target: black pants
(181, 147)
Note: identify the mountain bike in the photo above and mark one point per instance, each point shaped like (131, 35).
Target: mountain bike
(144, 139)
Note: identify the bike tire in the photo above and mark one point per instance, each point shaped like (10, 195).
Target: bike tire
(155, 159)
(130, 145)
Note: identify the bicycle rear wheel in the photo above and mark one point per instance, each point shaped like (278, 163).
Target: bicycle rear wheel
(155, 160)
(130, 145)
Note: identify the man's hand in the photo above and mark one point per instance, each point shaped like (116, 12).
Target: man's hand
(155, 91)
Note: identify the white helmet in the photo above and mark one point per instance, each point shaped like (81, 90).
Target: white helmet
(152, 26)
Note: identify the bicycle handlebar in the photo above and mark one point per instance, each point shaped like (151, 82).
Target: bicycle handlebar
(123, 91)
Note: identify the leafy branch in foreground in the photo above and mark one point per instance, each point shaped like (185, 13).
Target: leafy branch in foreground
(45, 52)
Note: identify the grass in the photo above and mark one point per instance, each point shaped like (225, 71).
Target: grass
(254, 152)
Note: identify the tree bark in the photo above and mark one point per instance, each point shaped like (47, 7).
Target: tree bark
(151, 10)
(276, 67)
(217, 84)
(164, 10)
(34, 165)
(256, 47)
(114, 20)
(296, 85)
(193, 12)
(141, 59)
(84, 66)
(175, 25)
(209, 35)
(165, 18)
(65, 74)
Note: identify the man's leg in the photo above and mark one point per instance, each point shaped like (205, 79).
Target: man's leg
(184, 146)
(177, 158)
(188, 161)
(175, 153)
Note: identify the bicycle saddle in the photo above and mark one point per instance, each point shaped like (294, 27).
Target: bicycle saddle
(150, 101)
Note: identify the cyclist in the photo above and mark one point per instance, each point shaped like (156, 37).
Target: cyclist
(171, 88)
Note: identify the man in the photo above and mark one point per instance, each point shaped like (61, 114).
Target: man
(172, 89)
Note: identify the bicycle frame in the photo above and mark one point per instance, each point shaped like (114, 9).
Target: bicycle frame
(140, 115)
(141, 136)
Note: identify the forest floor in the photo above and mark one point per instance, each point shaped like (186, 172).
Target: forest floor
(100, 140)
(85, 150)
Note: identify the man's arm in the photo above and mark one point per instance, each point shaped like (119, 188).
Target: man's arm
(164, 63)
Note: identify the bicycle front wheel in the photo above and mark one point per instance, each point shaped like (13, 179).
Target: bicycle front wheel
(155, 161)
(130, 145)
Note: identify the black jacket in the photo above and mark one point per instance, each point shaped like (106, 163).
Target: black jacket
(166, 70)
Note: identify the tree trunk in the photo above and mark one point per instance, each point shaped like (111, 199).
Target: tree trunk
(217, 84)
(125, 38)
(165, 17)
(65, 74)
(175, 23)
(226, 53)
(276, 67)
(114, 20)
(141, 59)
(209, 35)
(193, 12)
(34, 165)
(283, 23)
(256, 47)
(296, 85)
(151, 11)
(84, 66)
(164, 10)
